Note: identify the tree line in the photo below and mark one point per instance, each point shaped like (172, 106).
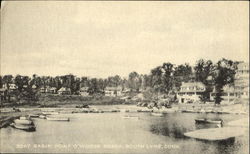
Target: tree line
(163, 79)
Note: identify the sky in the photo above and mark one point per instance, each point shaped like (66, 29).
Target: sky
(101, 39)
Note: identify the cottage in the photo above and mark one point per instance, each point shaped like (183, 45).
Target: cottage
(84, 91)
(11, 87)
(125, 91)
(34, 87)
(42, 90)
(190, 92)
(113, 91)
(51, 90)
(64, 91)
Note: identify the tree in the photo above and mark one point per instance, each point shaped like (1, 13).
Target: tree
(93, 86)
(182, 73)
(1, 81)
(134, 81)
(156, 81)
(167, 77)
(7, 79)
(223, 74)
(203, 70)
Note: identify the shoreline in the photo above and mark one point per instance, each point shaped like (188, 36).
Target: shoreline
(7, 118)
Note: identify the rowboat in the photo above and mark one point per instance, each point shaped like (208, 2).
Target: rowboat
(50, 113)
(57, 118)
(42, 116)
(30, 127)
(23, 121)
(189, 111)
(33, 115)
(167, 110)
(157, 114)
(130, 117)
(208, 121)
(144, 110)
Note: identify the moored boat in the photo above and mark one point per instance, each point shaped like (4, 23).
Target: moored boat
(208, 121)
(50, 113)
(30, 127)
(33, 115)
(167, 110)
(57, 118)
(130, 117)
(23, 121)
(42, 116)
(157, 114)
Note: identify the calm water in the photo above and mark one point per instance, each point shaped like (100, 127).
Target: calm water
(110, 133)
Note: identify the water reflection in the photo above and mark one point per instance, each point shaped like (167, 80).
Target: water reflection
(112, 129)
(174, 130)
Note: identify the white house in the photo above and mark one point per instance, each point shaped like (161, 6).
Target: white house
(64, 91)
(51, 90)
(84, 91)
(190, 91)
(113, 91)
(12, 86)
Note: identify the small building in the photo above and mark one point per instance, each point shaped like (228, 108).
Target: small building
(125, 91)
(64, 91)
(113, 91)
(48, 89)
(84, 91)
(190, 92)
(34, 87)
(12, 86)
(42, 90)
(51, 90)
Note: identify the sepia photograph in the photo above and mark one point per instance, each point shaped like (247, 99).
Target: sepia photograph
(162, 77)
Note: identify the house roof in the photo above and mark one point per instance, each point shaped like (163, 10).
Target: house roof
(64, 89)
(199, 87)
(84, 88)
(189, 84)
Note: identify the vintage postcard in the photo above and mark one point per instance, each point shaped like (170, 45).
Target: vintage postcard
(124, 77)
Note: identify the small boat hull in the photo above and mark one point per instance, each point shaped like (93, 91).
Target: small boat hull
(42, 116)
(157, 114)
(130, 117)
(208, 121)
(57, 118)
(24, 127)
(50, 113)
(23, 121)
(34, 115)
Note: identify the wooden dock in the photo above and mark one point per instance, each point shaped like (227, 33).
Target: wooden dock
(215, 134)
